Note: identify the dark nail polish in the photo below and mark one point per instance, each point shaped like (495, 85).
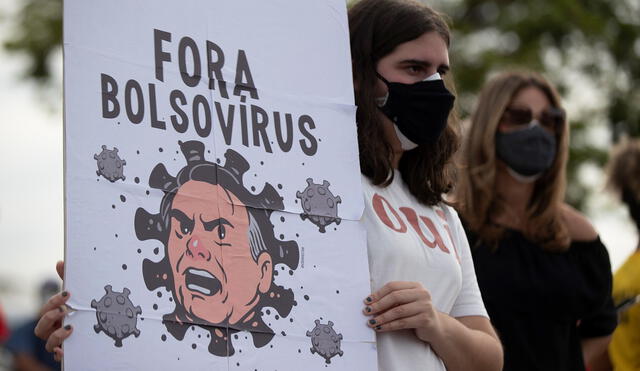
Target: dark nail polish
(67, 327)
(368, 309)
(64, 294)
(369, 299)
(378, 327)
(372, 321)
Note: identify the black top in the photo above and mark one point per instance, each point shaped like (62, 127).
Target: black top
(542, 303)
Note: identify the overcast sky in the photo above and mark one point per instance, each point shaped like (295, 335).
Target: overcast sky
(31, 192)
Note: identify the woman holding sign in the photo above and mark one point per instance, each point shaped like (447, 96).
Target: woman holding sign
(425, 304)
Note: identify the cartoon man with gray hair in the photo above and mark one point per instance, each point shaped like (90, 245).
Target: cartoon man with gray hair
(220, 249)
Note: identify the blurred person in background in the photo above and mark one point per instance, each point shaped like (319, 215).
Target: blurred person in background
(4, 329)
(4, 334)
(624, 179)
(544, 274)
(28, 351)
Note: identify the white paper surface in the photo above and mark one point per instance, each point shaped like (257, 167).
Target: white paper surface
(189, 247)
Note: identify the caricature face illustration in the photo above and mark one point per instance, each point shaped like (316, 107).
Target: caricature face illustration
(215, 276)
(220, 249)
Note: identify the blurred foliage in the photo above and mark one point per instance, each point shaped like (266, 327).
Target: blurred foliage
(37, 33)
(567, 40)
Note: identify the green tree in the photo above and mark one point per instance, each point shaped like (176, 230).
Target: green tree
(37, 33)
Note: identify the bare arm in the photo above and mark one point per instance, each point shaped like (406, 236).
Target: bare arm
(594, 350)
(463, 344)
(595, 354)
(468, 343)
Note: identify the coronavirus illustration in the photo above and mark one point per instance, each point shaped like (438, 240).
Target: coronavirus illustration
(319, 205)
(110, 165)
(221, 295)
(117, 317)
(325, 341)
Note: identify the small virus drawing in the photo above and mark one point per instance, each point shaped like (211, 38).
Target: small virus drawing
(110, 165)
(117, 317)
(319, 205)
(325, 341)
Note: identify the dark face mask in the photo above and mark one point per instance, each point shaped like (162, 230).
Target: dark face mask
(419, 111)
(528, 152)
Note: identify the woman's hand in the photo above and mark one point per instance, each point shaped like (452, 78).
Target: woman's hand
(49, 326)
(407, 305)
(402, 306)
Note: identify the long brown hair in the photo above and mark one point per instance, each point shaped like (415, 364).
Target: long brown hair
(476, 196)
(377, 27)
(623, 175)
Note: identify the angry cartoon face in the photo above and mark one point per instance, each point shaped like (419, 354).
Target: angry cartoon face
(215, 276)
(220, 249)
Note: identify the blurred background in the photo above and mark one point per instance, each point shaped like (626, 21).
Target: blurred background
(589, 49)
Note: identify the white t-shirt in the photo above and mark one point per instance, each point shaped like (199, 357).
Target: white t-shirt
(408, 241)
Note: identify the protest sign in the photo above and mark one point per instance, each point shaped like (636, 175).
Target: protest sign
(212, 187)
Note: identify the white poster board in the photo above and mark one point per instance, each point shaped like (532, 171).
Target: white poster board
(212, 187)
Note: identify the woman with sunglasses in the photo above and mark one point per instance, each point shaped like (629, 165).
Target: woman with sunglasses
(543, 272)
(425, 305)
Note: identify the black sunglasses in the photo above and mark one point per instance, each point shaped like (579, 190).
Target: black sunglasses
(551, 118)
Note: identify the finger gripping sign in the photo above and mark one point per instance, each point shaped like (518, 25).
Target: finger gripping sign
(212, 189)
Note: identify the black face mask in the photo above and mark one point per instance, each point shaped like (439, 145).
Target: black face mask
(420, 111)
(528, 151)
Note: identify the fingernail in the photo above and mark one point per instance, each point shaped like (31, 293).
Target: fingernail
(369, 299)
(372, 321)
(67, 327)
(64, 294)
(368, 309)
(378, 327)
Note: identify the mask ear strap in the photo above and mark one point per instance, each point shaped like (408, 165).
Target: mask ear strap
(382, 101)
(382, 78)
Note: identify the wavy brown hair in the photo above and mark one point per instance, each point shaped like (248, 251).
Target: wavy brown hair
(377, 27)
(623, 175)
(476, 197)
